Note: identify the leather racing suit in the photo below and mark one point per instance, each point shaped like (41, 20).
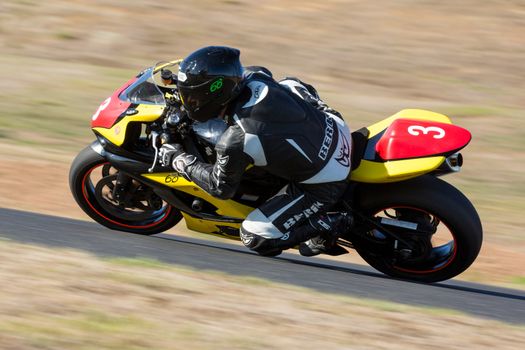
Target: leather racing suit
(284, 128)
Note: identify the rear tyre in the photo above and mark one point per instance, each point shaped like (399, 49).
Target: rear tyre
(428, 201)
(93, 183)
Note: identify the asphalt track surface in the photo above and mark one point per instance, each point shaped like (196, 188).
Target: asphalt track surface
(315, 273)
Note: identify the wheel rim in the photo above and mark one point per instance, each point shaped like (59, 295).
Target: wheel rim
(98, 184)
(432, 253)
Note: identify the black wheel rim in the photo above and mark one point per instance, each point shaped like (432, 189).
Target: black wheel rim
(148, 210)
(429, 253)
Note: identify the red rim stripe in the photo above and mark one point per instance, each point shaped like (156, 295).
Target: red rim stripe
(113, 221)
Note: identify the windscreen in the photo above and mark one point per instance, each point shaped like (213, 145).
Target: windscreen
(150, 88)
(143, 90)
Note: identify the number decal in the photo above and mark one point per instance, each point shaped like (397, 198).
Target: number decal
(102, 107)
(417, 129)
(171, 178)
(216, 85)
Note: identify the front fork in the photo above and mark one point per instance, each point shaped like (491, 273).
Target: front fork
(120, 191)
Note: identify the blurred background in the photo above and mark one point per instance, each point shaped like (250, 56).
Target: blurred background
(59, 59)
(368, 59)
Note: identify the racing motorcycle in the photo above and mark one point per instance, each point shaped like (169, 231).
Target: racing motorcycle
(409, 223)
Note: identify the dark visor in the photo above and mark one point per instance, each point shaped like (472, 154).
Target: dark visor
(194, 97)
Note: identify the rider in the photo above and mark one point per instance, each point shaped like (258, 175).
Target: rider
(282, 127)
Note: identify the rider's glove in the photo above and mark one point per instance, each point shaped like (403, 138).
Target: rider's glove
(168, 152)
(174, 155)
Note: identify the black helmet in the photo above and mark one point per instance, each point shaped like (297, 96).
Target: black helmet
(208, 79)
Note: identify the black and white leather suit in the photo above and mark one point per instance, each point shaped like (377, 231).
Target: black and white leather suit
(284, 128)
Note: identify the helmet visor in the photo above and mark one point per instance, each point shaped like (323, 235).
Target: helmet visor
(197, 96)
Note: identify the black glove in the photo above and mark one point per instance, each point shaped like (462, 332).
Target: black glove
(174, 155)
(168, 152)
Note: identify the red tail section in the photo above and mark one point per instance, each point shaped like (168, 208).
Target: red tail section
(412, 138)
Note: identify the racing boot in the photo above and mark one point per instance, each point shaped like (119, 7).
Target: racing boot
(331, 227)
(273, 247)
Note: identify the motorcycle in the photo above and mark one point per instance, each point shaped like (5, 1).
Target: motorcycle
(409, 223)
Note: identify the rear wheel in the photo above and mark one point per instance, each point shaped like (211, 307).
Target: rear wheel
(115, 200)
(439, 229)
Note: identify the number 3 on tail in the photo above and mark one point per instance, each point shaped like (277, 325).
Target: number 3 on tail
(416, 130)
(102, 107)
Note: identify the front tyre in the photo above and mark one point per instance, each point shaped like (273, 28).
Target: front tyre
(115, 200)
(455, 229)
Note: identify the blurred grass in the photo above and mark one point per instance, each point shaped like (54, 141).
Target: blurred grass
(138, 262)
(519, 280)
(137, 303)
(83, 330)
(53, 109)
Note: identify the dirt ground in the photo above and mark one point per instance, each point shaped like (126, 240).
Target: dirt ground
(44, 189)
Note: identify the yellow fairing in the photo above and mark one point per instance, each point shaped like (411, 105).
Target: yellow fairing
(226, 207)
(397, 170)
(117, 133)
(218, 228)
(378, 172)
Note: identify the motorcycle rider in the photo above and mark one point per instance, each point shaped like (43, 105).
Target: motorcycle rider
(282, 127)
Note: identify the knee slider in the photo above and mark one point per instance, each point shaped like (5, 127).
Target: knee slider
(251, 240)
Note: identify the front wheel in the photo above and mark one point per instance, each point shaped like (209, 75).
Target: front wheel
(448, 236)
(115, 200)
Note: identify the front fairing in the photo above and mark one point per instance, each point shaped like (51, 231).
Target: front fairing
(112, 108)
(142, 99)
